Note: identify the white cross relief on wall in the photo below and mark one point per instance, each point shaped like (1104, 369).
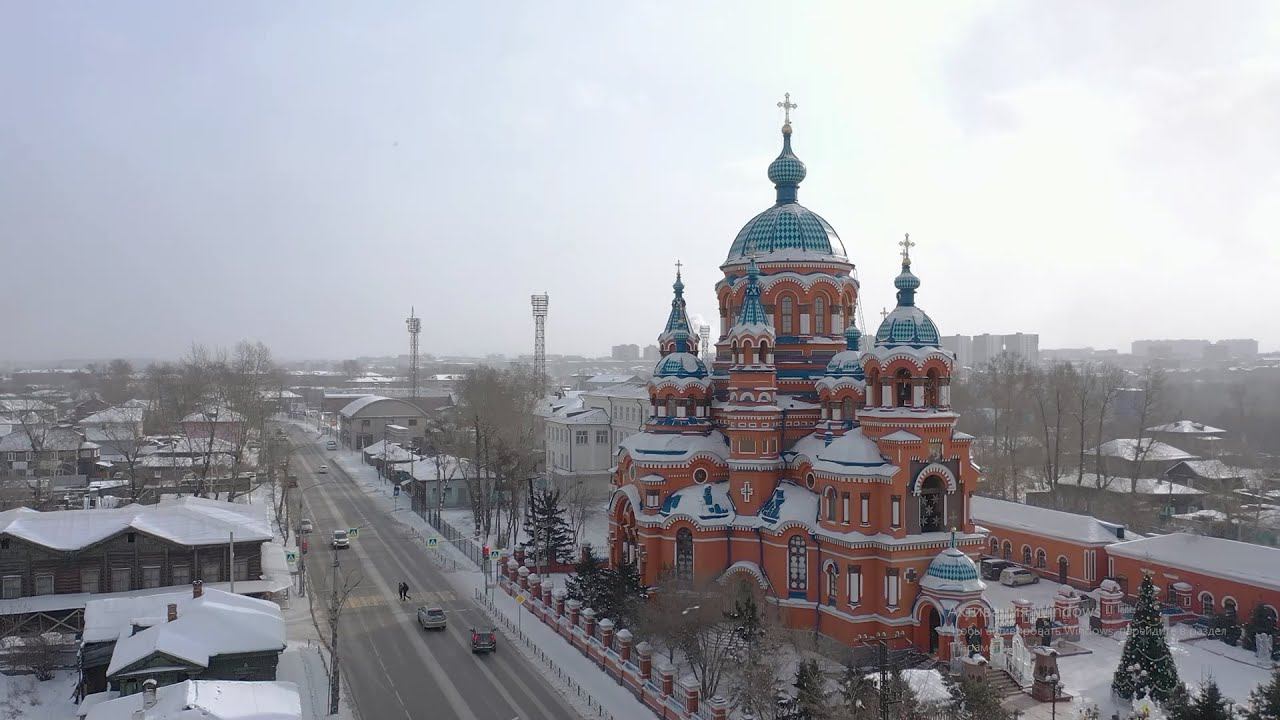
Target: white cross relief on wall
(746, 491)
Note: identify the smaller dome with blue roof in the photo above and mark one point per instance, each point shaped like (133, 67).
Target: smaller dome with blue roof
(848, 362)
(680, 365)
(953, 572)
(907, 324)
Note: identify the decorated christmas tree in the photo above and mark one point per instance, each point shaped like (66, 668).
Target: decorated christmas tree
(1146, 666)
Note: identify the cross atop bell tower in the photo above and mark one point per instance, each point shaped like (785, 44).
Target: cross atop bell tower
(906, 246)
(787, 106)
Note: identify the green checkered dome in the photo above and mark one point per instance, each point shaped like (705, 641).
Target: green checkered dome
(788, 225)
(907, 324)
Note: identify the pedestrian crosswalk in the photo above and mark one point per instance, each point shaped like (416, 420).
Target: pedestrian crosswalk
(372, 600)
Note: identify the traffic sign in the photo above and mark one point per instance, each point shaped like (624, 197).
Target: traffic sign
(521, 598)
(353, 532)
(290, 556)
(395, 490)
(493, 554)
(432, 542)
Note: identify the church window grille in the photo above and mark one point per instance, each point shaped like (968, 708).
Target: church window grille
(931, 389)
(1026, 555)
(784, 315)
(833, 583)
(846, 409)
(684, 554)
(854, 581)
(933, 505)
(819, 316)
(891, 588)
(1041, 558)
(830, 497)
(797, 566)
(1006, 551)
(902, 388)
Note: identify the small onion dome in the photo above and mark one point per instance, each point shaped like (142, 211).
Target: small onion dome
(680, 365)
(752, 319)
(786, 171)
(848, 362)
(907, 324)
(954, 572)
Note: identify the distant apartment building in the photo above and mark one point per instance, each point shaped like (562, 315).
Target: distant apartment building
(625, 352)
(650, 352)
(978, 350)
(1197, 349)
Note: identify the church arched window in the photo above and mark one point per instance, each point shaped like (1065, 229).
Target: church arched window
(846, 409)
(765, 357)
(820, 315)
(691, 407)
(797, 566)
(737, 356)
(671, 407)
(829, 498)
(833, 583)
(931, 384)
(786, 306)
(684, 554)
(902, 388)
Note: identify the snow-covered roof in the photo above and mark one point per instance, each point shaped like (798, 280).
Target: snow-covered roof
(451, 468)
(581, 416)
(901, 436)
(650, 447)
(612, 378)
(1217, 557)
(1040, 521)
(790, 503)
(355, 406)
(852, 454)
(58, 438)
(209, 700)
(214, 415)
(626, 390)
(1186, 427)
(1143, 486)
(707, 502)
(216, 623)
(186, 521)
(1216, 470)
(1151, 450)
(123, 414)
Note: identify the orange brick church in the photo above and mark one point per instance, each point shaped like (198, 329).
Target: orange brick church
(828, 473)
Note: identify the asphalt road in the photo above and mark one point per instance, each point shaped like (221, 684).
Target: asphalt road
(394, 668)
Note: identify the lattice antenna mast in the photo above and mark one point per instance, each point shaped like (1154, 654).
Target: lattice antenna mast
(540, 303)
(414, 323)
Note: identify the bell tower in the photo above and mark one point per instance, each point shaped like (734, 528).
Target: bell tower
(752, 419)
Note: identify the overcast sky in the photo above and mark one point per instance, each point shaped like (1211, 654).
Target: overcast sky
(302, 173)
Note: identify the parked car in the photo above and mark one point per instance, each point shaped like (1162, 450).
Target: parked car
(324, 470)
(340, 540)
(1015, 576)
(431, 618)
(331, 445)
(305, 526)
(483, 641)
(992, 567)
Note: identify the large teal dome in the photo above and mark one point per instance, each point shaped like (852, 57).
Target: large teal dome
(787, 229)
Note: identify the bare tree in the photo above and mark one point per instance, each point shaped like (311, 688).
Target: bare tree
(1052, 390)
(1152, 386)
(709, 643)
(127, 440)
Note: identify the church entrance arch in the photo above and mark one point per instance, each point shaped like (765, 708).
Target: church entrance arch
(935, 622)
(933, 504)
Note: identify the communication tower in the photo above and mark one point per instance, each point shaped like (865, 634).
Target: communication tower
(414, 324)
(540, 303)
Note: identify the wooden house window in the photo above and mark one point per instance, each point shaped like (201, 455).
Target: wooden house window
(150, 576)
(89, 580)
(241, 568)
(181, 574)
(120, 579)
(44, 584)
(11, 587)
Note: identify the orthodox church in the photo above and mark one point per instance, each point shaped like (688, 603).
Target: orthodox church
(829, 474)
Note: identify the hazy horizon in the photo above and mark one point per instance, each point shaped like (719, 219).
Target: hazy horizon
(303, 174)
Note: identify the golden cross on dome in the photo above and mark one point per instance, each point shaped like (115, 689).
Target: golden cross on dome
(787, 106)
(884, 313)
(678, 266)
(906, 245)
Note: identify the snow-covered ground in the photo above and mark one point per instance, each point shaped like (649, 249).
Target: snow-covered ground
(1088, 677)
(22, 697)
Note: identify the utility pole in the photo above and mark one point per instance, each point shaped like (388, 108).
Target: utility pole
(231, 546)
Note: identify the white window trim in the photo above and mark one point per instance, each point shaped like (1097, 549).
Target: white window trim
(854, 586)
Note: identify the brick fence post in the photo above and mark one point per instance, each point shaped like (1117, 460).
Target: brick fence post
(644, 661)
(557, 599)
(691, 692)
(574, 608)
(624, 645)
(606, 633)
(719, 708)
(523, 574)
(589, 622)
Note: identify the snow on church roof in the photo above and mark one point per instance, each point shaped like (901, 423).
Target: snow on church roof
(1228, 559)
(674, 447)
(1041, 521)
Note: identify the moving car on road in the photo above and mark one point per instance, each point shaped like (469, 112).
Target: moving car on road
(305, 526)
(340, 540)
(1015, 576)
(431, 618)
(484, 641)
(324, 469)
(331, 445)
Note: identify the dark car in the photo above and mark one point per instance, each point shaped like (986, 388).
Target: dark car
(992, 567)
(483, 641)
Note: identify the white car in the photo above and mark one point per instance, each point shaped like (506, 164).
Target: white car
(340, 540)
(1015, 576)
(331, 445)
(324, 470)
(305, 526)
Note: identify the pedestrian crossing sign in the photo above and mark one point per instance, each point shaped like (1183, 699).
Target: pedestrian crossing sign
(353, 532)
(290, 556)
(493, 554)
(433, 542)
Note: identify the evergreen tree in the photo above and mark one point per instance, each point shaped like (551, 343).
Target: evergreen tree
(1146, 666)
(858, 695)
(1264, 701)
(975, 700)
(587, 584)
(1208, 705)
(1261, 622)
(1178, 706)
(622, 594)
(811, 694)
(550, 537)
(902, 696)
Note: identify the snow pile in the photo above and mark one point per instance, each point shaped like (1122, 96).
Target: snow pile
(209, 700)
